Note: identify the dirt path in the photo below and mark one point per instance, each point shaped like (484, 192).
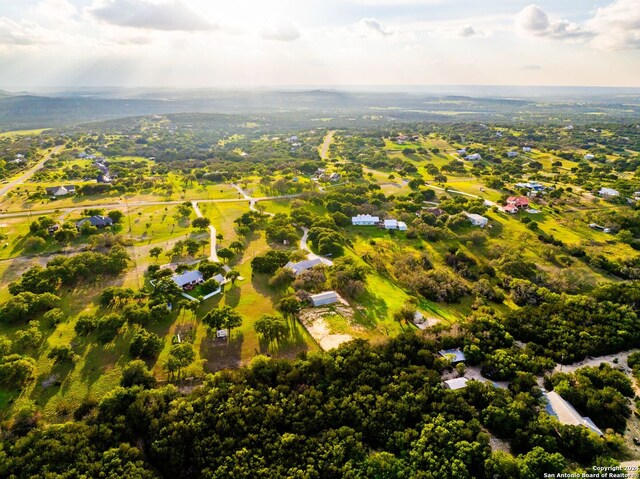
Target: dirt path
(212, 230)
(324, 149)
(30, 172)
(130, 204)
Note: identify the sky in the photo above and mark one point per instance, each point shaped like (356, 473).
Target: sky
(263, 43)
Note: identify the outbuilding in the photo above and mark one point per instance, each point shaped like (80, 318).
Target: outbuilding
(457, 383)
(326, 297)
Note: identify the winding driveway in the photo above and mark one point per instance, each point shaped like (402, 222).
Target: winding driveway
(310, 254)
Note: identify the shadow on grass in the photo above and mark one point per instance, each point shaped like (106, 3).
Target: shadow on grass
(222, 354)
(375, 308)
(232, 295)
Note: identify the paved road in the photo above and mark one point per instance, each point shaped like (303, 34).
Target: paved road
(324, 150)
(310, 254)
(30, 172)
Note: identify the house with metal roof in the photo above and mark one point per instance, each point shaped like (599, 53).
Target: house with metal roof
(365, 220)
(565, 413)
(301, 266)
(456, 383)
(326, 297)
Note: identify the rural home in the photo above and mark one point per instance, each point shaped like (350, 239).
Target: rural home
(402, 226)
(301, 266)
(457, 383)
(526, 149)
(326, 297)
(365, 220)
(512, 154)
(462, 151)
(608, 192)
(477, 220)
(519, 201)
(511, 209)
(98, 221)
(531, 185)
(188, 278)
(566, 414)
(589, 156)
(61, 190)
(473, 157)
(391, 224)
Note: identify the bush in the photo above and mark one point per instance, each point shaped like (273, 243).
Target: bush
(136, 374)
(145, 344)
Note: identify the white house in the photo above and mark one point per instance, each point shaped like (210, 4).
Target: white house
(187, 278)
(589, 156)
(477, 220)
(473, 157)
(391, 224)
(526, 149)
(462, 151)
(457, 383)
(301, 266)
(608, 192)
(564, 412)
(60, 190)
(512, 154)
(365, 220)
(326, 297)
(402, 226)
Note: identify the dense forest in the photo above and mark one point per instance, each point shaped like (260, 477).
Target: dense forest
(359, 412)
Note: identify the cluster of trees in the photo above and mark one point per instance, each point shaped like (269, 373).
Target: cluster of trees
(16, 370)
(359, 411)
(568, 328)
(68, 271)
(601, 393)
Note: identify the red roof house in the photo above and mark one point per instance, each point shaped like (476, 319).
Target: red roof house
(511, 209)
(519, 201)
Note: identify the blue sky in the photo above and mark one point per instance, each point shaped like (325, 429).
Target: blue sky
(205, 43)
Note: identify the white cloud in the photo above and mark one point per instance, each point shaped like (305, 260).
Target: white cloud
(282, 30)
(534, 21)
(617, 26)
(397, 2)
(58, 11)
(25, 33)
(168, 15)
(368, 27)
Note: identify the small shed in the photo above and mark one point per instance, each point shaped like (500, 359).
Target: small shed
(457, 383)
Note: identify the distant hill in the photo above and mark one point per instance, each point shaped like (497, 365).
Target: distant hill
(26, 111)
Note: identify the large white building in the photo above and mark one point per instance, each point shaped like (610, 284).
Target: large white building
(473, 157)
(477, 220)
(326, 297)
(365, 220)
(391, 224)
(608, 192)
(562, 410)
